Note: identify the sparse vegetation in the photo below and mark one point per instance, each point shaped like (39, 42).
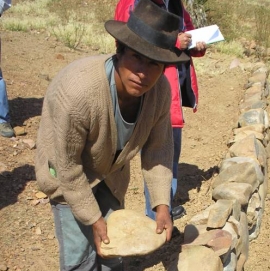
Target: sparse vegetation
(74, 22)
(240, 19)
(79, 23)
(262, 19)
(230, 48)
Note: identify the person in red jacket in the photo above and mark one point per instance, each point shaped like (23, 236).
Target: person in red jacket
(182, 79)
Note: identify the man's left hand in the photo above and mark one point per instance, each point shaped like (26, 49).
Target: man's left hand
(164, 221)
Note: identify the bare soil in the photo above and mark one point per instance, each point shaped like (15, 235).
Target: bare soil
(27, 240)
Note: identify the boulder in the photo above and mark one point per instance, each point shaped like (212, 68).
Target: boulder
(131, 233)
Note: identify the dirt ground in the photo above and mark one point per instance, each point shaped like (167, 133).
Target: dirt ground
(27, 240)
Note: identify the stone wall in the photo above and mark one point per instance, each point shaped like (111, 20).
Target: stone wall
(217, 239)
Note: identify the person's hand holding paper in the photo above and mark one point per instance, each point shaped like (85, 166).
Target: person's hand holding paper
(208, 34)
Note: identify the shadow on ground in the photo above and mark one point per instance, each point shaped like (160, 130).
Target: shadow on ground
(13, 183)
(191, 177)
(22, 109)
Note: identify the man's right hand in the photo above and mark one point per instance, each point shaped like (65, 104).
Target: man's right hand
(100, 234)
(164, 220)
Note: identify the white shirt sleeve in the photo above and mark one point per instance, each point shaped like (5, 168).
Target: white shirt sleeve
(4, 5)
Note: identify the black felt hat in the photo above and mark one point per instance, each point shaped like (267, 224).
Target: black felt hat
(150, 31)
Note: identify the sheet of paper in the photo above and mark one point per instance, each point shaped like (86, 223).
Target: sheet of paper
(208, 34)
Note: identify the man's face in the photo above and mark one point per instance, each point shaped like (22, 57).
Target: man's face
(136, 74)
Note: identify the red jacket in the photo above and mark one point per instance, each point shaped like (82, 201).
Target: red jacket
(188, 96)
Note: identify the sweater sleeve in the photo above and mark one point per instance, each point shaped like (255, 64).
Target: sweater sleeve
(71, 123)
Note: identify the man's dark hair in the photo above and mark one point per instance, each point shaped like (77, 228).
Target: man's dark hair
(120, 47)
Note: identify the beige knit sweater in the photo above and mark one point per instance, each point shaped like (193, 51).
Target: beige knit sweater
(78, 138)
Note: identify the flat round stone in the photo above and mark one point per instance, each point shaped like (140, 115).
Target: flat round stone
(131, 233)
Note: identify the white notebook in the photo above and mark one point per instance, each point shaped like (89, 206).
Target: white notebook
(208, 34)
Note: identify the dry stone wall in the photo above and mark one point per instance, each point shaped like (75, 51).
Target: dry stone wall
(217, 239)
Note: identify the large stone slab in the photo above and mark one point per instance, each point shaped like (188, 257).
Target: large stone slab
(194, 258)
(231, 174)
(253, 116)
(231, 161)
(247, 147)
(219, 214)
(219, 240)
(131, 233)
(238, 191)
(258, 128)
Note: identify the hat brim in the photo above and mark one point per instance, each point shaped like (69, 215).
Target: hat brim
(122, 33)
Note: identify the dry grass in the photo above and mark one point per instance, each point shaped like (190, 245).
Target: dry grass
(74, 22)
(79, 23)
(241, 19)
